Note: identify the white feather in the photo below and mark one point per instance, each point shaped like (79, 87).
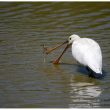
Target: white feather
(87, 52)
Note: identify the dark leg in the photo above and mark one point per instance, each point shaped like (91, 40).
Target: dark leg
(88, 69)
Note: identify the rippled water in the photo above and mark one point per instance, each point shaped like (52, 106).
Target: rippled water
(26, 80)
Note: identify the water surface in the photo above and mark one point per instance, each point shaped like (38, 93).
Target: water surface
(26, 80)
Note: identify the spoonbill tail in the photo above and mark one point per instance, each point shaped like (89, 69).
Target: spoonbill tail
(84, 50)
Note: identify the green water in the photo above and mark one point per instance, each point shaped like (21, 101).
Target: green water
(26, 80)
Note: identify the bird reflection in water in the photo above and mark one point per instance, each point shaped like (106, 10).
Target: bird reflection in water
(84, 94)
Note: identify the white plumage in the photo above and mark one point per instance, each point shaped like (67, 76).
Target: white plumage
(87, 52)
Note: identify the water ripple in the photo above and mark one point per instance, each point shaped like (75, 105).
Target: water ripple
(28, 81)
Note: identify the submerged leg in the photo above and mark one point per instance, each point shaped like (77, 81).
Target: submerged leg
(88, 69)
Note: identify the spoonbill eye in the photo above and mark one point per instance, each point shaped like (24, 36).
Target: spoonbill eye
(70, 38)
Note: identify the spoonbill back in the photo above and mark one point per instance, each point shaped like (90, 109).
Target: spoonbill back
(85, 51)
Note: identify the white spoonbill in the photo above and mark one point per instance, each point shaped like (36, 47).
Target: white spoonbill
(86, 51)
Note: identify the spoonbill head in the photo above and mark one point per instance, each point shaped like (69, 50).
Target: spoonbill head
(73, 38)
